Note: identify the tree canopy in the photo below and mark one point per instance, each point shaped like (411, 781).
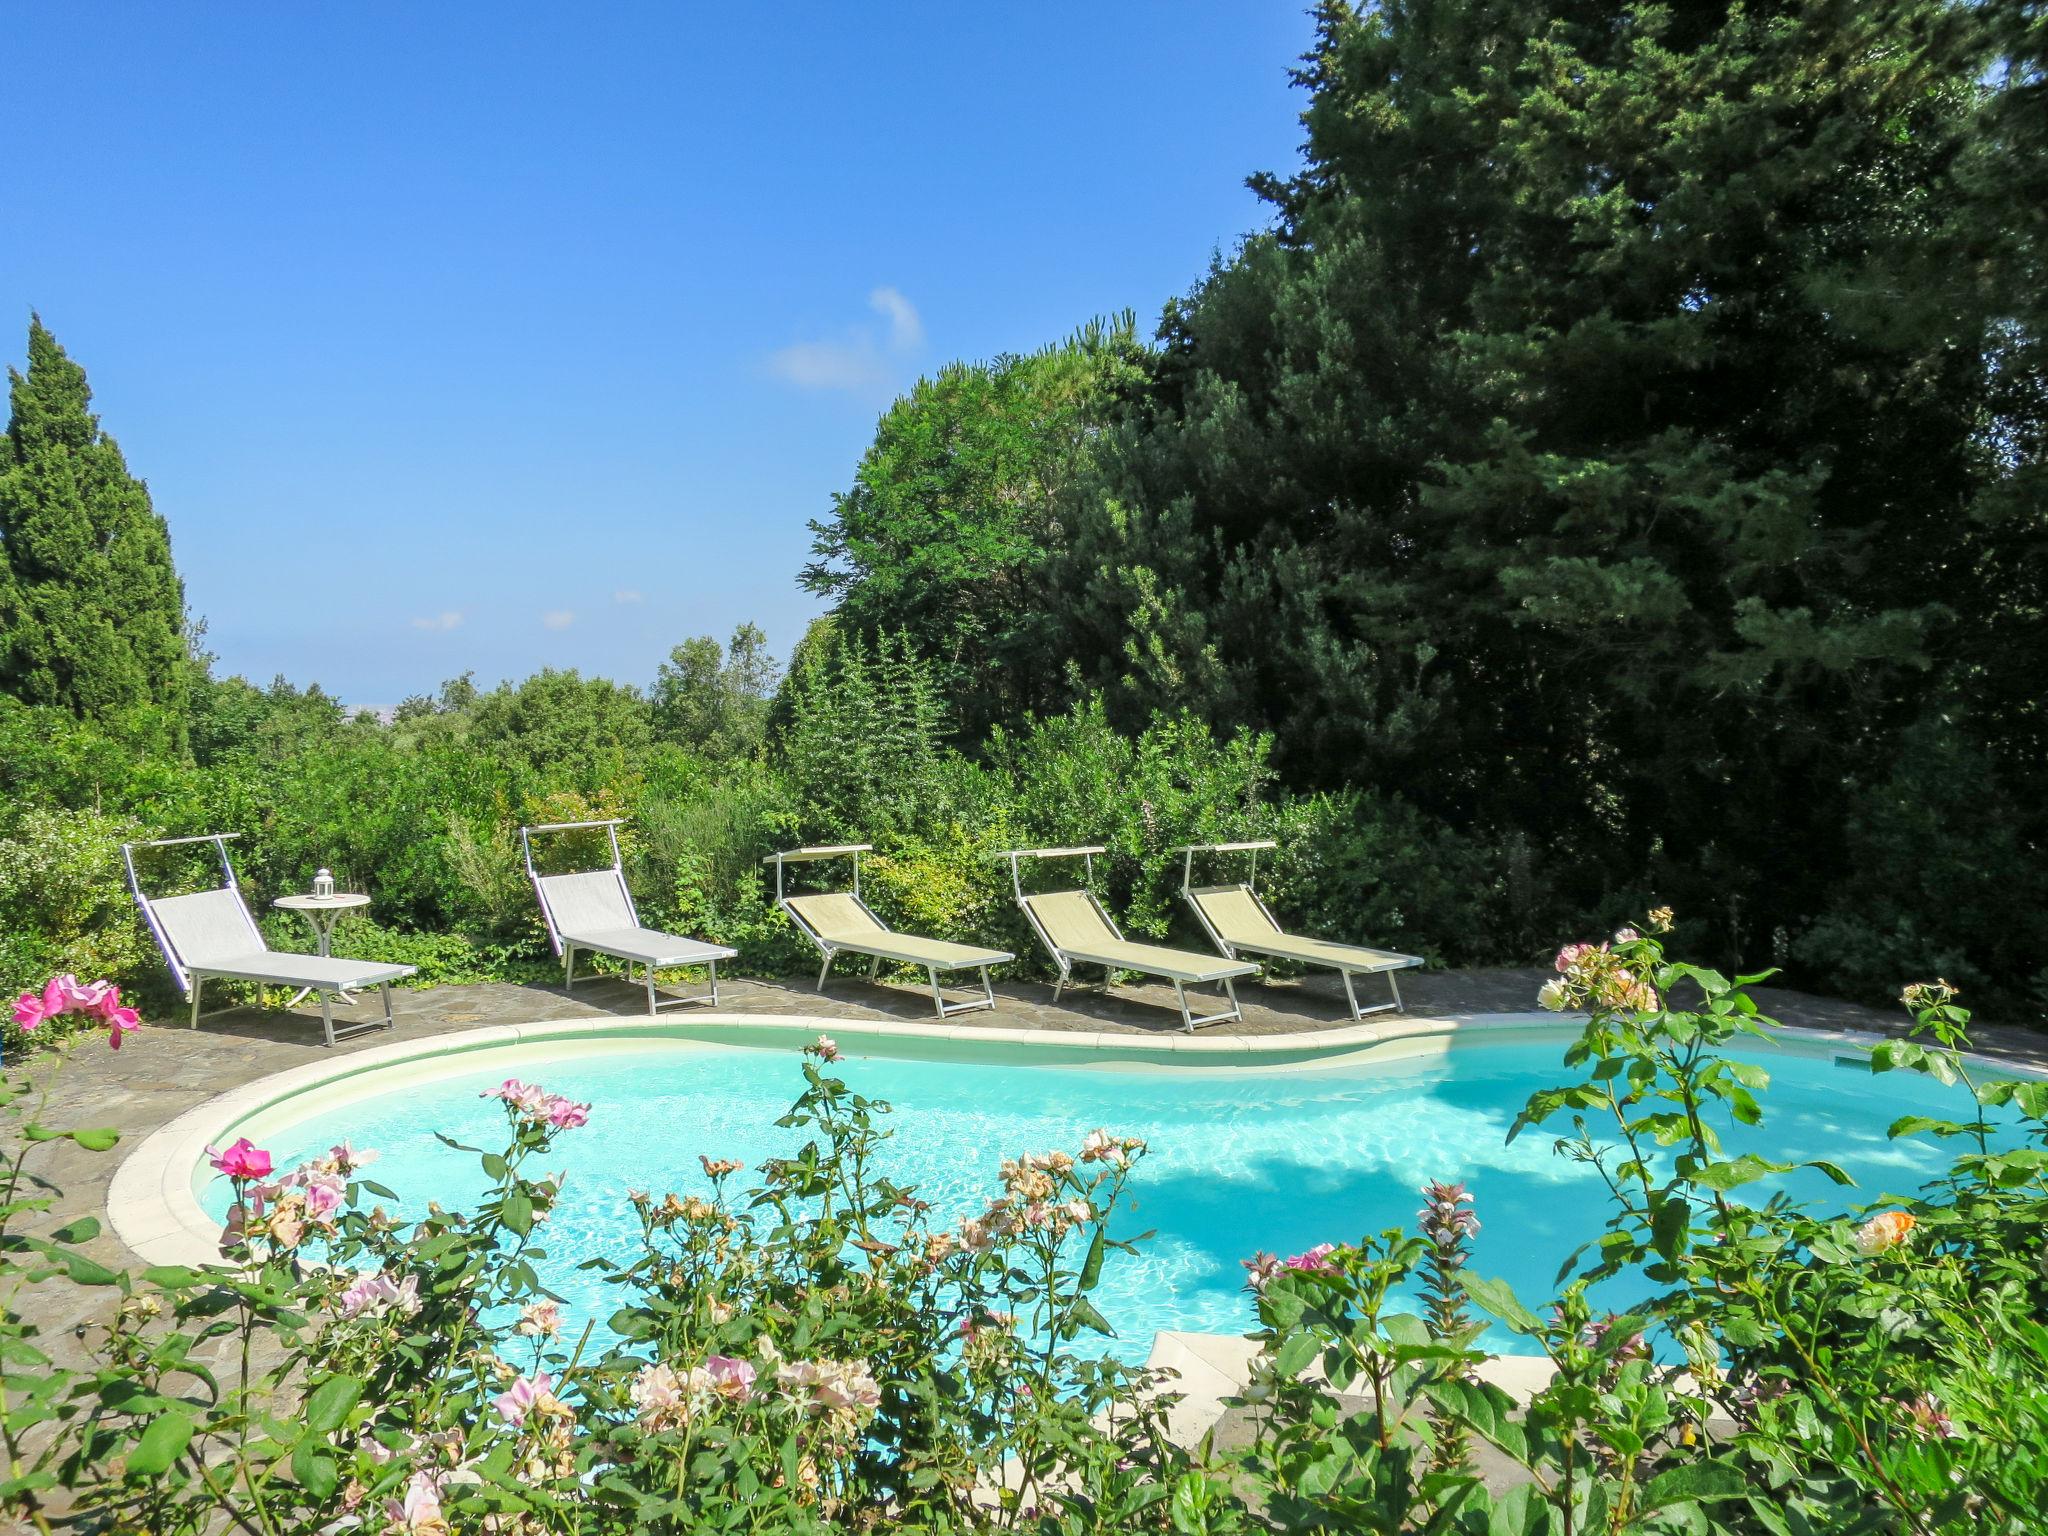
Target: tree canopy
(953, 511)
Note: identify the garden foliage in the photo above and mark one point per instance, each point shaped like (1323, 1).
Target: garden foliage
(423, 812)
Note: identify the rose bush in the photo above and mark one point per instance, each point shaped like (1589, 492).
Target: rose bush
(1885, 1369)
(819, 1350)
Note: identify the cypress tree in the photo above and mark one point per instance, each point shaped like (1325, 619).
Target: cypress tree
(92, 613)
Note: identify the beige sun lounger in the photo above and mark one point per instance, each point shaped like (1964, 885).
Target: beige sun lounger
(592, 910)
(1076, 931)
(1240, 923)
(839, 922)
(211, 936)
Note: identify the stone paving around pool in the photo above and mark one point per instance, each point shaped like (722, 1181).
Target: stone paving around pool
(167, 1069)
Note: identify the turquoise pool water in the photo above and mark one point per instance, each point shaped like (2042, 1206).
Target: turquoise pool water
(1275, 1160)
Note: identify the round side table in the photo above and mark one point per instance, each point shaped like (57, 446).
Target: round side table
(322, 912)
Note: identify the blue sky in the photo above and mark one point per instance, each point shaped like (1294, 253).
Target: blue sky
(493, 337)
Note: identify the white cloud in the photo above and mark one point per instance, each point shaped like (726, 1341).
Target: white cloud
(906, 330)
(861, 361)
(448, 620)
(828, 365)
(627, 595)
(558, 618)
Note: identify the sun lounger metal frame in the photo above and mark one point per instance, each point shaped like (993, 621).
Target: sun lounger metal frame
(1191, 894)
(830, 948)
(629, 941)
(328, 976)
(1066, 959)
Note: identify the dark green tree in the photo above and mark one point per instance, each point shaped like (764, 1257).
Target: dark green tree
(1629, 430)
(92, 614)
(954, 508)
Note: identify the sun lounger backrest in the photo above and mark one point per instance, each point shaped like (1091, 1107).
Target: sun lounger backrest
(1071, 919)
(208, 926)
(594, 901)
(1234, 914)
(835, 914)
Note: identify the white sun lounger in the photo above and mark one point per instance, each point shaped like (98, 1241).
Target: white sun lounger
(1240, 923)
(592, 910)
(210, 936)
(839, 922)
(1076, 931)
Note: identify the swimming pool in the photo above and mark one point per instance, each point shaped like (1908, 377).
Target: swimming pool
(1241, 1159)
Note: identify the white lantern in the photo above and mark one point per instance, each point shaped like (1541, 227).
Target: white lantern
(323, 883)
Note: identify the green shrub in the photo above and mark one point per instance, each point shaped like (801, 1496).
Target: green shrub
(1075, 779)
(65, 908)
(444, 959)
(864, 745)
(1958, 855)
(1363, 868)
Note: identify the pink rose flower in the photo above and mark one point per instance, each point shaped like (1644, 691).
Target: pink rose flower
(377, 1294)
(67, 994)
(91, 997)
(121, 1022)
(536, 1105)
(1572, 954)
(527, 1098)
(1314, 1262)
(324, 1192)
(566, 1115)
(539, 1320)
(523, 1396)
(344, 1158)
(420, 1511)
(243, 1160)
(662, 1398)
(730, 1377)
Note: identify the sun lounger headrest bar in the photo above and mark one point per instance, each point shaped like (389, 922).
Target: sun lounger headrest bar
(1253, 847)
(611, 830)
(816, 852)
(220, 841)
(1085, 854)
